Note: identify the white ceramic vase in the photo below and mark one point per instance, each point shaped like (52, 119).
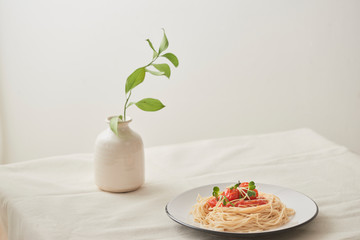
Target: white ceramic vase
(119, 160)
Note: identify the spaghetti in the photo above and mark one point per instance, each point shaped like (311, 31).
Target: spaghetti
(241, 208)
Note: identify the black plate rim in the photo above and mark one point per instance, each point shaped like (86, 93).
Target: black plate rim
(239, 234)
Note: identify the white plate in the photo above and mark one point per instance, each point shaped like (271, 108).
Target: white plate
(178, 209)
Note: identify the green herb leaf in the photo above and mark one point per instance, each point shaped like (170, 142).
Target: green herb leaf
(155, 73)
(216, 190)
(252, 185)
(149, 104)
(164, 43)
(135, 79)
(172, 58)
(114, 124)
(251, 193)
(163, 67)
(155, 54)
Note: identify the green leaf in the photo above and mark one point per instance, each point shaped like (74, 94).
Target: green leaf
(164, 43)
(216, 190)
(135, 79)
(163, 67)
(252, 185)
(155, 73)
(114, 124)
(129, 104)
(149, 104)
(172, 58)
(251, 193)
(155, 54)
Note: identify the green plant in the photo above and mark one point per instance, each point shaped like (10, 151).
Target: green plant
(138, 76)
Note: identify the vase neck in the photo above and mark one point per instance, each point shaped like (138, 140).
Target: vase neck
(121, 124)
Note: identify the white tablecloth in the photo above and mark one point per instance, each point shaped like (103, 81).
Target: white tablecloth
(55, 198)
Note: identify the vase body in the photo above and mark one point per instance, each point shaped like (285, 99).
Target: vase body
(119, 160)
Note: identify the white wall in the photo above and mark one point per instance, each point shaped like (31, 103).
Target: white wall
(246, 67)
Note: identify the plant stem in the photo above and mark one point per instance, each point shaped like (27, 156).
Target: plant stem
(125, 106)
(127, 99)
(152, 61)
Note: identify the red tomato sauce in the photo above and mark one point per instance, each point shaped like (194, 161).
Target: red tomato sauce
(238, 197)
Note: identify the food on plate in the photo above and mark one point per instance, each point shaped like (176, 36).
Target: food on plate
(241, 208)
